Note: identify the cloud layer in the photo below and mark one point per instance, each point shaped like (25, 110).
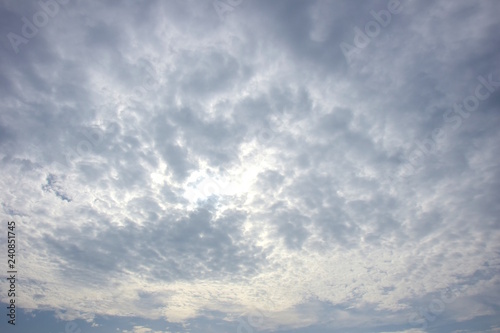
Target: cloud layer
(197, 161)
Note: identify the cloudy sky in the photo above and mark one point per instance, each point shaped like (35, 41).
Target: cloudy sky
(251, 166)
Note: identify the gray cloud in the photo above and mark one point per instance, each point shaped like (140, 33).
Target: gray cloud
(199, 169)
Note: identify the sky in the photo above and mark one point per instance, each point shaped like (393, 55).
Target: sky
(241, 166)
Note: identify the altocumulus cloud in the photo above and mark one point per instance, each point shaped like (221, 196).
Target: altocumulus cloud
(224, 167)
